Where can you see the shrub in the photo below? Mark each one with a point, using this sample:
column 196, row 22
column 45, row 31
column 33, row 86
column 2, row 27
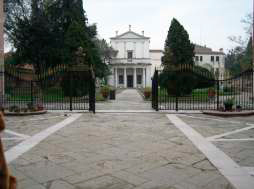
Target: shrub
column 183, row 82
column 177, row 83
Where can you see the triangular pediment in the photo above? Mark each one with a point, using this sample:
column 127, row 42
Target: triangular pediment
column 130, row 35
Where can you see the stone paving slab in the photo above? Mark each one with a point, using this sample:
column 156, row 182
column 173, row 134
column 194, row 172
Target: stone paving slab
column 210, row 125
column 240, row 152
column 237, row 145
column 117, row 151
column 28, row 125
column 244, row 134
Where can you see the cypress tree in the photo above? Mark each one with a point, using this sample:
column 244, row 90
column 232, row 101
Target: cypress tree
column 178, row 48
column 178, row 51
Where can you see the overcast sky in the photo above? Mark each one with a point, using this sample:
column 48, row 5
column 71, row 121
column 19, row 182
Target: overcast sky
column 208, row 22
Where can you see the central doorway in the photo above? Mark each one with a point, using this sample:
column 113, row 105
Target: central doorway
column 130, row 81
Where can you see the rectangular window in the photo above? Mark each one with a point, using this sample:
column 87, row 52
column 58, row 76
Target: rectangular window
column 196, row 58
column 129, row 54
column 201, row 58
column 139, row 79
column 212, row 58
column 120, row 79
column 217, row 58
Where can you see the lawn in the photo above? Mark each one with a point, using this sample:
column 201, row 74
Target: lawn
column 47, row 95
column 198, row 95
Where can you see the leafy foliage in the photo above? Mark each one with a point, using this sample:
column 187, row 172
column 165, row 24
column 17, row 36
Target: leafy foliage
column 178, row 48
column 74, row 85
column 239, row 59
column 47, row 33
column 179, row 53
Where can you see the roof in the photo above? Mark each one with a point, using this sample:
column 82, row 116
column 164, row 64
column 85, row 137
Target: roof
column 205, row 50
column 130, row 33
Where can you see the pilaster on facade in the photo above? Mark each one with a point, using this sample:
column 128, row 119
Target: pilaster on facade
column 116, row 78
column 125, row 78
column 135, row 77
column 144, row 78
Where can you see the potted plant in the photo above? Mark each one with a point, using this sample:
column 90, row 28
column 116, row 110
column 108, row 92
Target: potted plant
column 105, row 91
column 228, row 104
column 147, row 92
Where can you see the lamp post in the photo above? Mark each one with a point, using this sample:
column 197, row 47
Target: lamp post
column 1, row 48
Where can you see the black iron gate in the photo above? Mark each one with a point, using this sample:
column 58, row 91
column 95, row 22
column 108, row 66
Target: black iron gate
column 207, row 94
column 59, row 88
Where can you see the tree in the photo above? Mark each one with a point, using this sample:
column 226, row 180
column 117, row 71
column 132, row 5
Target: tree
column 178, row 52
column 178, row 48
column 247, row 57
column 47, row 33
column 239, row 59
column 30, row 35
column 233, row 61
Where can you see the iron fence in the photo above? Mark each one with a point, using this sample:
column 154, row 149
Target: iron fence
column 54, row 89
column 210, row 95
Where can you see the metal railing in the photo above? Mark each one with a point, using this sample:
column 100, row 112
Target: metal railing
column 207, row 94
column 51, row 90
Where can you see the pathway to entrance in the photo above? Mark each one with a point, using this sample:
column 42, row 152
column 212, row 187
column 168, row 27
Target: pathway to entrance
column 128, row 99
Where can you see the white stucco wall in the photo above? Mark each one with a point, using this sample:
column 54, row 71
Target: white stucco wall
column 156, row 56
column 215, row 64
column 139, row 47
column 148, row 77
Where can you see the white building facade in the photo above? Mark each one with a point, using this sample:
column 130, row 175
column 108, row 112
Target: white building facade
column 212, row 60
column 156, row 55
column 131, row 68
column 134, row 63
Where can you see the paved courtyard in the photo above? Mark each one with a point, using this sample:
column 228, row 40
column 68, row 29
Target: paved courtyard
column 129, row 150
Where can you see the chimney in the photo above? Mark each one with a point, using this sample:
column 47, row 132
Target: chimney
column 143, row 33
column 221, row 50
column 116, row 33
column 129, row 27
